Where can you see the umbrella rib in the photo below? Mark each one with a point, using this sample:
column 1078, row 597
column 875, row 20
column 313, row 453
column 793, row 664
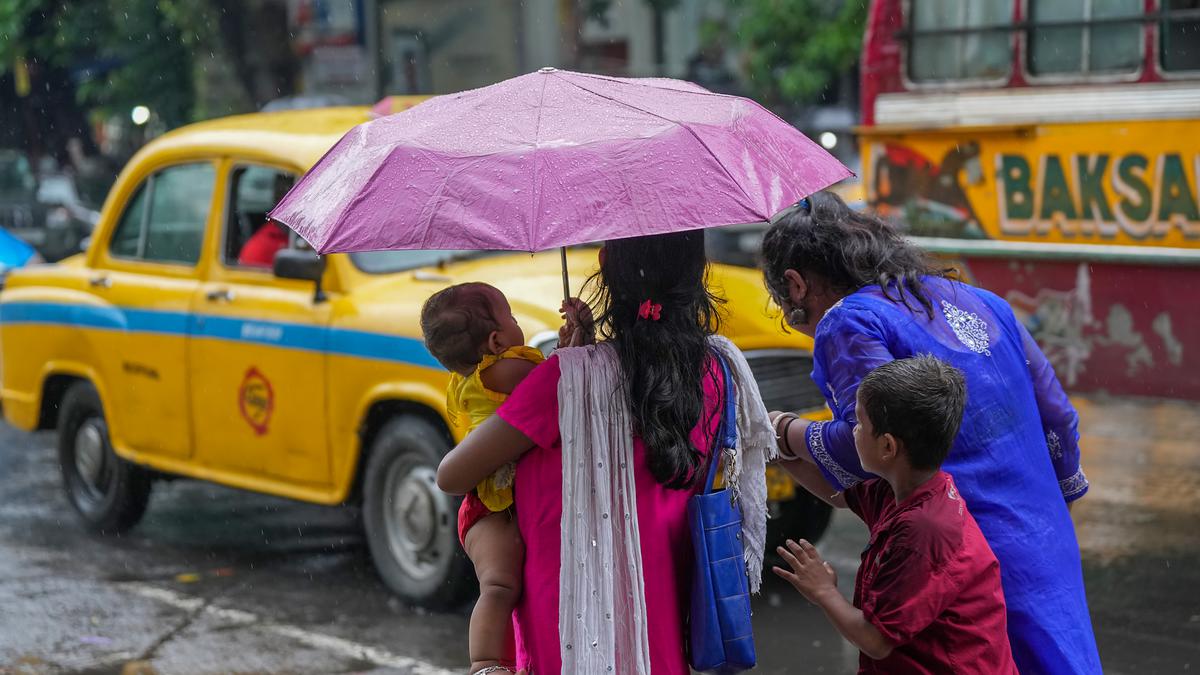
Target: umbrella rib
column 360, row 196
column 641, row 82
column 478, row 99
column 438, row 203
column 434, row 203
column 534, row 193
column 691, row 131
column 323, row 249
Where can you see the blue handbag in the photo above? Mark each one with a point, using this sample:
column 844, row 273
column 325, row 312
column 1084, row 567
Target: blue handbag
column 720, row 637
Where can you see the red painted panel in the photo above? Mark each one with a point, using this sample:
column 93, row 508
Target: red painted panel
column 1019, row 39
column 1128, row 329
column 881, row 65
column 1150, row 37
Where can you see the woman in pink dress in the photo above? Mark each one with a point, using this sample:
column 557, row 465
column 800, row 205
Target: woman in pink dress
column 657, row 314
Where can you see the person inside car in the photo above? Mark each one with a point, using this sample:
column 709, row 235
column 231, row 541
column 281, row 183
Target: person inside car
column 260, row 249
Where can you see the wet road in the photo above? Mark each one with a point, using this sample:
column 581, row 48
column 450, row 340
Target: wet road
column 216, row 580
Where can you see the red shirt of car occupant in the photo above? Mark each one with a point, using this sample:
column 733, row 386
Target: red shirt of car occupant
column 927, row 598
column 271, row 237
column 260, row 249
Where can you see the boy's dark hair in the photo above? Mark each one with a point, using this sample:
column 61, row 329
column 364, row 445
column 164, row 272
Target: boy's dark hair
column 456, row 322
column 918, row 400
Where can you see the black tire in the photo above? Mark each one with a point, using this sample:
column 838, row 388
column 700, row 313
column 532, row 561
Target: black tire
column 412, row 526
column 109, row 494
column 804, row 517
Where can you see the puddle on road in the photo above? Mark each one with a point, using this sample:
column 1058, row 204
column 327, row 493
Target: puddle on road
column 1142, row 458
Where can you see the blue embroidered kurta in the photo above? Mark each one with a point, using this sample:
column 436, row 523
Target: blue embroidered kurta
column 1016, row 458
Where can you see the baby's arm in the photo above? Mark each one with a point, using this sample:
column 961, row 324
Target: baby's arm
column 504, row 375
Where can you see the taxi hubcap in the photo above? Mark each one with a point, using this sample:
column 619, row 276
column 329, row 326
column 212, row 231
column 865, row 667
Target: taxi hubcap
column 90, row 456
column 417, row 516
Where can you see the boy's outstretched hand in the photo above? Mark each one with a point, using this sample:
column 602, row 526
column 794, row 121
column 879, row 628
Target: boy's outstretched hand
column 810, row 574
column 816, row 581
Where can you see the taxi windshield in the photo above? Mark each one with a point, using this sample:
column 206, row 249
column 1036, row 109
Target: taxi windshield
column 390, row 262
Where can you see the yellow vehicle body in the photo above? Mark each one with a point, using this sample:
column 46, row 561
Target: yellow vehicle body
column 236, row 376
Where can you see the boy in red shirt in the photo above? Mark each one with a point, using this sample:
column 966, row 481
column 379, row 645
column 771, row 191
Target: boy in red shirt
column 927, row 598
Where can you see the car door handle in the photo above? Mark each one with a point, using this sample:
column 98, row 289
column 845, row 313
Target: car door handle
column 100, row 281
column 220, row 295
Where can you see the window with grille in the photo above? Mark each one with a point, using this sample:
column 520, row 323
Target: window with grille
column 1088, row 37
column 960, row 40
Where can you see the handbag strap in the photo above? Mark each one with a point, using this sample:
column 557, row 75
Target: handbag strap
column 727, row 432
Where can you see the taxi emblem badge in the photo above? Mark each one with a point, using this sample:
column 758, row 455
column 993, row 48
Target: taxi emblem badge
column 256, row 400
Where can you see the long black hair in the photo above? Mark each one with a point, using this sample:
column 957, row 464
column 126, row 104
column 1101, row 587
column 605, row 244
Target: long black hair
column 848, row 249
column 664, row 361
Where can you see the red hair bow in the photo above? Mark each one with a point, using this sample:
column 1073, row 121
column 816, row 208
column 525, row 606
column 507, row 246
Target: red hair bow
column 650, row 310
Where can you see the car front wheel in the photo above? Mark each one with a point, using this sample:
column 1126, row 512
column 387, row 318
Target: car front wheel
column 411, row 525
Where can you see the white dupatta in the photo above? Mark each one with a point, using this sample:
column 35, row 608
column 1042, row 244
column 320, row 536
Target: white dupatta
column 602, row 624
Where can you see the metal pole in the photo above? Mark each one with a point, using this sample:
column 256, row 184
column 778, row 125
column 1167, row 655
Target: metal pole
column 566, row 281
column 373, row 46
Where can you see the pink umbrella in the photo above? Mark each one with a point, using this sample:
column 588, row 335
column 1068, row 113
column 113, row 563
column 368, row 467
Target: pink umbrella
column 550, row 159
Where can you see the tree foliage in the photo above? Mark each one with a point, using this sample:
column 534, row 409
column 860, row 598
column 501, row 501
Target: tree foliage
column 793, row 49
column 67, row 60
column 115, row 53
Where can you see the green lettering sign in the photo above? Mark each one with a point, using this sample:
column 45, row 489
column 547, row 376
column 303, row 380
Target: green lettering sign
column 1056, row 194
column 1018, row 197
column 1131, row 170
column 1174, row 193
column 1092, row 202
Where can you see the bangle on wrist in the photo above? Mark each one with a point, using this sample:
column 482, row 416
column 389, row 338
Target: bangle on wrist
column 785, row 448
column 775, row 424
column 787, row 453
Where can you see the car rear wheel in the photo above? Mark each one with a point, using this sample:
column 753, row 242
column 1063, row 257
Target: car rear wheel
column 411, row 525
column 803, row 517
column 109, row 493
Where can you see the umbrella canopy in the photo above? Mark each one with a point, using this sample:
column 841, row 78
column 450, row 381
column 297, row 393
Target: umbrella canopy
column 554, row 158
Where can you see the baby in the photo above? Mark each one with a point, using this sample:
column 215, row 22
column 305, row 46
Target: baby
column 469, row 328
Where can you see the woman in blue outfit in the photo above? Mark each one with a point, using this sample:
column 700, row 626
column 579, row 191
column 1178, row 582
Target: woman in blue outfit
column 867, row 297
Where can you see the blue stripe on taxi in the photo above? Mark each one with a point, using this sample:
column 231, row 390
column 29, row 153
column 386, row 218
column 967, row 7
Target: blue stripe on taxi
column 362, row 344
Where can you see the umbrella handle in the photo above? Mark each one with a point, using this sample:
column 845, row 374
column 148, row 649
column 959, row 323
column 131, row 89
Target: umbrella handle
column 566, row 281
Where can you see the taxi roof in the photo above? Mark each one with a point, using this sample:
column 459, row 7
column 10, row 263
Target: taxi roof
column 294, row 137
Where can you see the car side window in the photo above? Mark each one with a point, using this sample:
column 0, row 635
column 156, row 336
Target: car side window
column 126, row 240
column 164, row 222
column 251, row 241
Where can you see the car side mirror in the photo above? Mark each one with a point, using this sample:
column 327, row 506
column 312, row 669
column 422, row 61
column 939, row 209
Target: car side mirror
column 302, row 265
column 296, row 264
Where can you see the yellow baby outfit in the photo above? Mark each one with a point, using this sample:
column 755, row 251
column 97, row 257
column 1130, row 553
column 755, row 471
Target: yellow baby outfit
column 469, row 403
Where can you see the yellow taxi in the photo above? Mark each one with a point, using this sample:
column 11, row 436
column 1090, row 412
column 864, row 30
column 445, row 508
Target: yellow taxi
column 196, row 339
